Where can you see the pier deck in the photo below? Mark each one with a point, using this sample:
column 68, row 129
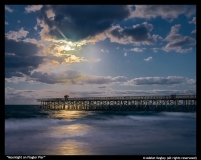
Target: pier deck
column 165, row 102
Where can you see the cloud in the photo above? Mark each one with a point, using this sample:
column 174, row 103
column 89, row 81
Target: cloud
column 150, row 92
column 70, row 58
column 20, row 48
column 192, row 21
column 155, row 49
column 137, row 35
column 16, row 35
column 32, row 40
column 148, row 59
column 193, row 32
column 23, row 78
column 56, row 58
column 6, row 23
column 50, row 55
column 175, row 86
column 156, row 80
column 32, row 8
column 137, row 49
column 168, row 12
column 177, row 41
column 102, row 87
column 191, row 81
column 103, row 80
column 125, row 54
column 70, row 77
column 156, row 37
column 171, row 92
column 102, row 50
column 67, row 77
column 8, row 9
column 67, row 20
column 87, row 93
column 20, row 58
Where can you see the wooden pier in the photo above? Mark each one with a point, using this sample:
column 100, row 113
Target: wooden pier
column 126, row 103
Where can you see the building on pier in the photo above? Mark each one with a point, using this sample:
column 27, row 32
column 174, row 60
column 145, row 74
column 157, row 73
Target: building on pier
column 66, row 97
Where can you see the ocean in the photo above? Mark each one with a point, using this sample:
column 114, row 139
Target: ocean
column 30, row 130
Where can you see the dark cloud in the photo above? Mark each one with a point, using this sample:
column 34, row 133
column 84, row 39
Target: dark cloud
column 177, row 41
column 168, row 12
column 156, row 80
column 52, row 78
column 102, row 87
column 78, row 22
column 15, row 62
column 20, row 48
column 182, row 40
column 104, row 80
column 75, row 77
column 137, row 33
column 21, row 58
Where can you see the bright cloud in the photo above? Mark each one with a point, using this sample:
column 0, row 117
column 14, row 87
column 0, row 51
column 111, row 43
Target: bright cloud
column 137, row 49
column 8, row 9
column 102, row 50
column 191, row 81
column 193, row 20
column 148, row 59
column 17, row 35
column 32, row 8
column 155, row 49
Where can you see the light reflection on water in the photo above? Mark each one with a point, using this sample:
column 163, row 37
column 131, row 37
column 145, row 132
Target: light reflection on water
column 70, row 130
column 67, row 145
column 66, row 134
column 68, row 115
column 71, row 147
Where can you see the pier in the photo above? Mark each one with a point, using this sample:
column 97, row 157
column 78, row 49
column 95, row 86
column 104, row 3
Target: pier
column 126, row 103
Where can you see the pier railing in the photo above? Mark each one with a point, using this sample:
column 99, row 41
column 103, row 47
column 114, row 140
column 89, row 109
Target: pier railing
column 164, row 102
column 178, row 97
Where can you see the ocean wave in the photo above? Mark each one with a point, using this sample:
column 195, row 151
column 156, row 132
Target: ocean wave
column 179, row 114
column 31, row 123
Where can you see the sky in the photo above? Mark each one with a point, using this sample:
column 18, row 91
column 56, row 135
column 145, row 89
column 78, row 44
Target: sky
column 98, row 51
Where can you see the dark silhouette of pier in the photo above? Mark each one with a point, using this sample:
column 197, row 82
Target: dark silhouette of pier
column 126, row 103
